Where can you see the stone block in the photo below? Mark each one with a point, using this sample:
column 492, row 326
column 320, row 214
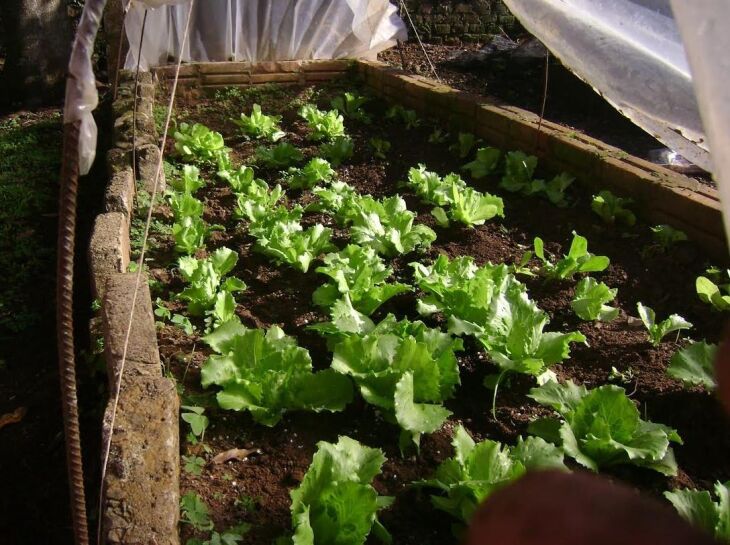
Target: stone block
column 148, row 158
column 142, row 492
column 143, row 358
column 118, row 159
column 108, row 249
column 119, row 196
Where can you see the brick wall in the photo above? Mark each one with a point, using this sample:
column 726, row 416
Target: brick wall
column 451, row 21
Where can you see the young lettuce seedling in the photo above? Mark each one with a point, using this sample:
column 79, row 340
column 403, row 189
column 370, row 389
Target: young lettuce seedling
column 408, row 117
column 463, row 146
column 667, row 236
column 315, row 171
column 478, row 469
column 602, row 428
column 338, row 151
column 716, row 295
column 259, row 125
column 266, row 373
column 577, row 260
column 323, row 125
column 280, row 156
column 657, row 331
column 612, row 209
column 380, row 148
column 590, row 300
column 336, row 503
column 351, row 106
column 198, row 143
column 485, row 162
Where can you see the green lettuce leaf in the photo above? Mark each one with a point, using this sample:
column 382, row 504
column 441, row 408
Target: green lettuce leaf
column 267, row 374
column 362, row 274
column 695, row 364
column 478, row 469
column 590, row 300
column 336, row 503
column 698, row 507
column 602, row 428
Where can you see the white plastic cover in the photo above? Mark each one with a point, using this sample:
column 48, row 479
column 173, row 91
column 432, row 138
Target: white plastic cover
column 81, row 94
column 264, row 30
column 705, row 28
column 631, row 53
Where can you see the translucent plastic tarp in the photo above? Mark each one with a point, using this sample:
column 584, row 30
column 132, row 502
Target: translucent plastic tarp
column 705, row 28
column 81, row 94
column 263, row 30
column 630, row 52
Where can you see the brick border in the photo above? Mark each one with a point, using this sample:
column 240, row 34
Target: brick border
column 213, row 75
column 142, row 483
column 663, row 196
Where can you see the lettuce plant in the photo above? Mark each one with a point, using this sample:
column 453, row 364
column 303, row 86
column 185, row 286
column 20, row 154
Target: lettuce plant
column 387, row 226
column 612, row 209
column 280, row 156
column 287, row 242
column 331, row 199
column 323, row 125
column 601, row 428
column 667, row 236
column 485, row 162
column 438, row 136
column 717, row 295
column 207, row 293
column 257, row 201
column 351, row 106
column 471, row 207
column 315, row 171
column 267, row 374
column 198, row 143
column 555, row 189
column 336, row 503
column 190, row 233
column 260, row 125
column 464, row 144
column 404, row 368
column 408, row 117
column 360, row 273
column 338, row 151
column 184, row 205
column 658, row 330
column 239, row 179
column 695, row 365
column 590, row 300
column 519, row 168
column 577, row 260
column 189, row 180
column 380, row 148
column 490, row 304
column 478, row 469
column 431, row 187
column 699, row 509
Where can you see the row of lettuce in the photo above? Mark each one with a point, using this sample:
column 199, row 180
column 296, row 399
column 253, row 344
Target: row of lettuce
column 407, row 369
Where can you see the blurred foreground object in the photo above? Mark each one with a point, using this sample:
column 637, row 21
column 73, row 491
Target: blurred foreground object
column 557, row 508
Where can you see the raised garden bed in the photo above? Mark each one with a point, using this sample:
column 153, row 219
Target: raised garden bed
column 253, row 488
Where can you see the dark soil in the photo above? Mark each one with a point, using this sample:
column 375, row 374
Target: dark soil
column 570, row 101
column 257, row 490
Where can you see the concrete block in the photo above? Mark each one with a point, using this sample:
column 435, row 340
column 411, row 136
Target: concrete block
column 142, row 492
column 108, row 249
column 119, row 196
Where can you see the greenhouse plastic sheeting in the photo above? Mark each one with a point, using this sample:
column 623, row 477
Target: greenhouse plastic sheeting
column 631, row 53
column 264, row 30
column 704, row 25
